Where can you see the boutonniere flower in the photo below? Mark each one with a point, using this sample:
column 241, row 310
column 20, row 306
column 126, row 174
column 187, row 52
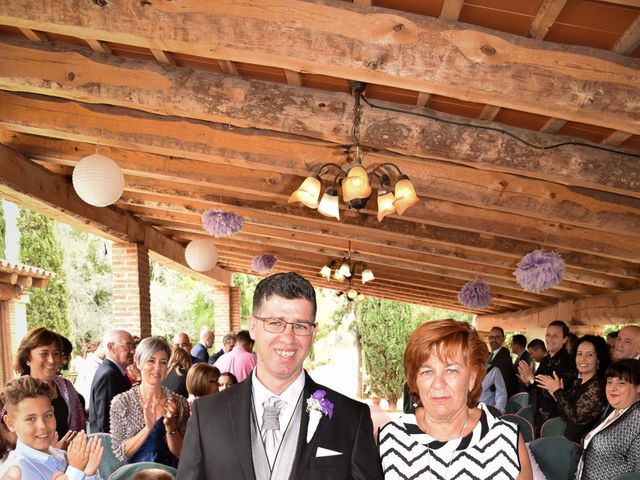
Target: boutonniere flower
column 317, row 406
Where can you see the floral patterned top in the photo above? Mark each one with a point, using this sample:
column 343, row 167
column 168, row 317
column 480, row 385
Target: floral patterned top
column 127, row 418
column 581, row 407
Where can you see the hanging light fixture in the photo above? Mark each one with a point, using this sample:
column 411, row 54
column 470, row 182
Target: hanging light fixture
column 201, row 254
column 98, row 180
column 346, row 269
column 355, row 180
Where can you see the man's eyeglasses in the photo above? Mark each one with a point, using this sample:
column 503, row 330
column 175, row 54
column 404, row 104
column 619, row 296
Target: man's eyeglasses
column 277, row 325
column 128, row 346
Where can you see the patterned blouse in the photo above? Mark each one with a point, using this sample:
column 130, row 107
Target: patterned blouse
column 581, row 407
column 490, row 450
column 127, row 417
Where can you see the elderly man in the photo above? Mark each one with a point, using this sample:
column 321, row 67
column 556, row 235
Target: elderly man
column 181, row 340
column 627, row 343
column 201, row 349
column 279, row 423
column 110, row 378
column 228, row 342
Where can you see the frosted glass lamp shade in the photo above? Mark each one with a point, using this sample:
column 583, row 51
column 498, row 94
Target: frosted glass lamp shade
column 201, row 255
column 338, row 275
column 344, row 269
column 329, row 204
column 352, row 294
column 367, row 275
column 360, row 297
column 326, row 272
column 308, row 193
column 385, row 205
column 405, row 194
column 98, row 180
column 356, row 184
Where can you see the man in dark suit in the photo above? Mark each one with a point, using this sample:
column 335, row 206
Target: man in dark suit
column 519, row 348
column 278, row 423
column 500, row 357
column 110, row 378
column 201, row 349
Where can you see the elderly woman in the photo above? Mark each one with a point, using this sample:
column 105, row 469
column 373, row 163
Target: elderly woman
column 582, row 405
column 202, row 380
column 39, row 355
column 449, row 436
column 613, row 447
column 148, row 422
column 557, row 361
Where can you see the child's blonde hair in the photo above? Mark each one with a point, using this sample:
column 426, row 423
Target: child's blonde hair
column 18, row 389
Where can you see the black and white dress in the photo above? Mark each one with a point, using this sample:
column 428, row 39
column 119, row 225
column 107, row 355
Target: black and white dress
column 490, row 450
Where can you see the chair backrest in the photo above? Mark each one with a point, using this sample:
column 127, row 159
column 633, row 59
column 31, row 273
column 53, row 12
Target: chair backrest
column 526, row 413
column 526, row 429
column 627, row 476
column 516, row 402
column 126, row 472
column 557, row 456
column 553, row 427
column 109, row 463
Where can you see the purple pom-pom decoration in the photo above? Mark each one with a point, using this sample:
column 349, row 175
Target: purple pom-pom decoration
column 475, row 294
column 263, row 264
column 539, row 271
column 220, row 223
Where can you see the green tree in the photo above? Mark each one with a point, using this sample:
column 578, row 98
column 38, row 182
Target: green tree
column 247, row 284
column 40, row 248
column 383, row 328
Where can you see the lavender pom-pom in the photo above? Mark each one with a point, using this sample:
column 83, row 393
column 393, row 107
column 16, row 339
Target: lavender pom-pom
column 263, row 264
column 475, row 294
column 220, row 223
column 539, row 271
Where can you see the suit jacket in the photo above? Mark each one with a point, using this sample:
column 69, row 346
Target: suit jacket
column 200, row 352
column 213, row 358
column 107, row 383
column 217, row 444
column 502, row 360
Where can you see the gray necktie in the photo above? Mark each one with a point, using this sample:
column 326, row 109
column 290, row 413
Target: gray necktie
column 270, row 431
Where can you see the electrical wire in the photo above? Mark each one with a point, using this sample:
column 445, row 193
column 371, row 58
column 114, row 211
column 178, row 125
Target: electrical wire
column 500, row 130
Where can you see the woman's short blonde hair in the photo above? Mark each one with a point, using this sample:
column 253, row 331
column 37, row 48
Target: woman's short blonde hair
column 148, row 347
column 447, row 339
column 199, row 377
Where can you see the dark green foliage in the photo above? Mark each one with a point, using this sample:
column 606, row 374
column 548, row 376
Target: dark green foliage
column 383, row 327
column 247, row 284
column 3, row 231
column 40, row 248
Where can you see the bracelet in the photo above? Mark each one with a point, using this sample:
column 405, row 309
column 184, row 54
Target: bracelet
column 172, row 432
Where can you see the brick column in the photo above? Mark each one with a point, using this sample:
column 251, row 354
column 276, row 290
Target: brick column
column 226, row 312
column 131, row 297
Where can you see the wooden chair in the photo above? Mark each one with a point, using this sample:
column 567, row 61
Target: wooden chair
column 557, row 456
column 126, row 472
column 109, row 463
column 516, row 402
column 554, row 427
column 526, row 428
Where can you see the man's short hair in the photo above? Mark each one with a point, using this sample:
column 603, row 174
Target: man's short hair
column 562, row 325
column 153, row 474
column 112, row 336
column 537, row 343
column 243, row 337
column 613, row 334
column 519, row 339
column 499, row 329
column 289, row 285
column 228, row 337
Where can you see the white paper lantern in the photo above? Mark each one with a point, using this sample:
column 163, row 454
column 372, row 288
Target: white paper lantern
column 98, row 180
column 201, row 255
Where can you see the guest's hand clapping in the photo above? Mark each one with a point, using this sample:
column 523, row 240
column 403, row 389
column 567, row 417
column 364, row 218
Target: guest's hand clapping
column 78, row 451
column 170, row 409
column 66, row 440
column 550, row 383
column 525, row 374
column 149, row 412
column 96, row 449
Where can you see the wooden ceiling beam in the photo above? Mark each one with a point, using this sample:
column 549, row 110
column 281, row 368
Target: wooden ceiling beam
column 301, row 114
column 545, row 17
column 32, row 186
column 369, row 44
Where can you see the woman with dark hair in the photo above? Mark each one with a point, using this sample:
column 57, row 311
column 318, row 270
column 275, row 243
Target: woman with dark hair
column 450, row 435
column 226, row 380
column 582, row 405
column 39, row 355
column 613, row 447
column 148, row 421
column 558, row 361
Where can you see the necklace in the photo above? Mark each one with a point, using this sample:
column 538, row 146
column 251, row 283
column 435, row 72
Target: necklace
column 464, row 425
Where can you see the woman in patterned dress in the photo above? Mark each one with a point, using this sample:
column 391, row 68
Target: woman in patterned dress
column 450, row 435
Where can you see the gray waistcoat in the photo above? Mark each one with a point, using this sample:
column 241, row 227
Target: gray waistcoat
column 286, row 453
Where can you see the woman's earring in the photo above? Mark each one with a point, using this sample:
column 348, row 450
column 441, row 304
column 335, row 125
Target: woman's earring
column 28, row 363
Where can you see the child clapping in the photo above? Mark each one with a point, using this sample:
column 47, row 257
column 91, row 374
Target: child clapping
column 30, row 415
